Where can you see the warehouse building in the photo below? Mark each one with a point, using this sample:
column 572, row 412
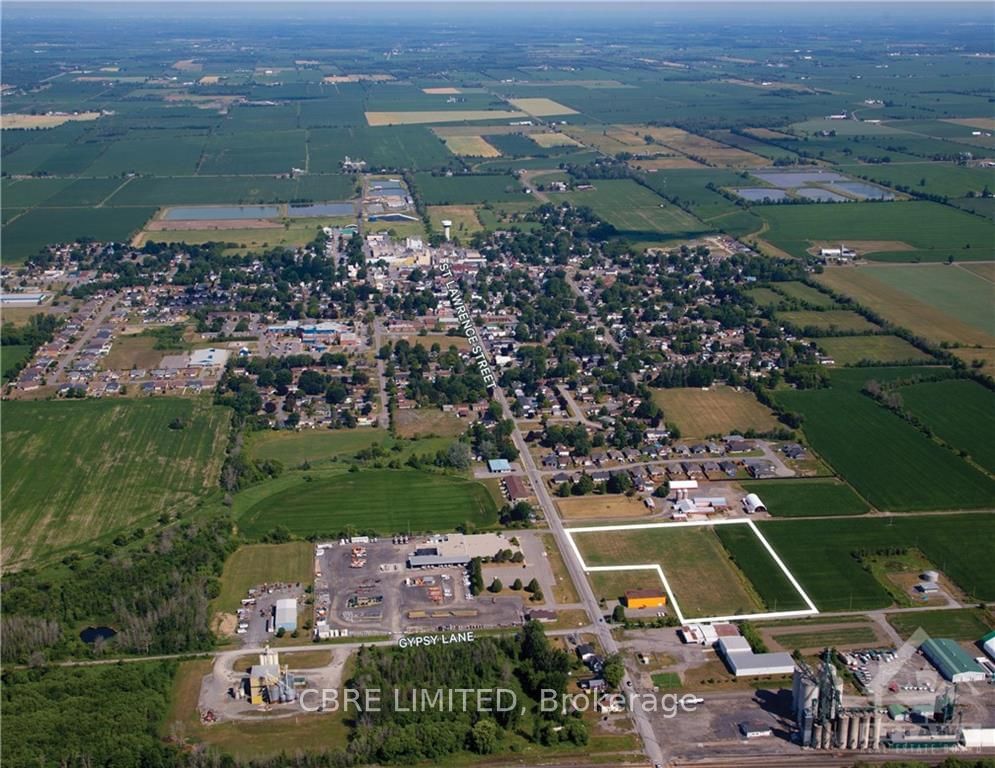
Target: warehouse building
column 743, row 662
column 952, row 661
column 286, row 614
column 645, row 598
column 988, row 643
column 458, row 549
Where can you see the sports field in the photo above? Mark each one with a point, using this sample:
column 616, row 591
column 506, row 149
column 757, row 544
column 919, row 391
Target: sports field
column 820, row 554
column 715, row 411
column 957, row 410
column 848, row 350
column 828, row 320
column 379, row 501
column 807, row 498
column 920, row 315
column 933, row 231
column 254, row 564
column 705, row 582
column 892, row 464
column 119, row 465
column 636, row 212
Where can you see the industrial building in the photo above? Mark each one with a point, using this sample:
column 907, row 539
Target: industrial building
column 952, row 661
column 457, row 549
column 285, row 614
column 268, row 682
column 743, row 662
column 645, row 598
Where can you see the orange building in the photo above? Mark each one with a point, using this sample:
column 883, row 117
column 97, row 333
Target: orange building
column 645, row 598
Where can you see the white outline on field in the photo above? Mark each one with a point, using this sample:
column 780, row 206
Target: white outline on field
column 811, row 610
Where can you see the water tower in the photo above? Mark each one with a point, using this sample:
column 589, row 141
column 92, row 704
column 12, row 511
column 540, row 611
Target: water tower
column 446, row 227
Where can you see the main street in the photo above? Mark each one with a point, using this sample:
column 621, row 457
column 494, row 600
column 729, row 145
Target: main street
column 588, row 599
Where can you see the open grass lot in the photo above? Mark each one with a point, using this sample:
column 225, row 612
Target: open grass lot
column 715, row 411
column 828, row 320
column 11, row 355
column 892, row 464
column 380, row 500
column 423, row 422
column 133, row 350
column 959, row 411
column 794, row 289
column 467, row 189
column 961, row 624
column 463, row 217
column 636, row 212
column 919, row 315
column 933, row 231
column 848, row 350
column 604, row 507
column 820, row 554
column 807, row 498
column 764, row 297
column 704, row 580
column 313, row 445
column 119, row 465
column 565, row 591
column 959, row 293
column 254, row 564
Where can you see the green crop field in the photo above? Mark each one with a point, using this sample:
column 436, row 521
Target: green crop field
column 254, row 564
column 807, row 498
column 820, row 554
column 828, row 638
column 956, row 292
column 931, row 232
column 212, row 190
column 945, row 179
column 883, row 348
column 119, row 465
column 752, row 558
column 957, row 410
column 828, row 320
column 961, row 624
column 377, row 500
column 891, row 464
column 466, row 189
column 636, row 212
column 38, row 227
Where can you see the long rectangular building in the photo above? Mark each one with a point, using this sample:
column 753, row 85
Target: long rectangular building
column 952, row 661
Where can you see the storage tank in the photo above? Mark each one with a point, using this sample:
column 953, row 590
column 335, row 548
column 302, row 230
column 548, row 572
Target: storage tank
column 865, row 731
column 842, row 728
column 817, row 732
column 852, row 738
column 826, row 742
column 878, row 719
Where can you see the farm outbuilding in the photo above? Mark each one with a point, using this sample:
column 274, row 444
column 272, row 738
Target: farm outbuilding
column 753, row 504
column 286, row 614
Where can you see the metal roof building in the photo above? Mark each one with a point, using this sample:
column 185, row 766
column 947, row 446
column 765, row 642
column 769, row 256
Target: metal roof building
column 988, row 643
column 286, row 614
column 743, row 662
column 952, row 661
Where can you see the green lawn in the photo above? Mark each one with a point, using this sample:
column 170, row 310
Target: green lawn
column 667, row 680
column 820, row 553
column 933, row 231
column 962, row 624
column 807, row 498
column 255, row 564
column 313, row 445
column 75, row 471
column 380, row 501
column 960, row 412
column 890, row 463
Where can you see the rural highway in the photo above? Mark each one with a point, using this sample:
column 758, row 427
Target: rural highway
column 588, row 599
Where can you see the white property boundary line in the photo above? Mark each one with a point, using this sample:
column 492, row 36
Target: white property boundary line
column 811, row 610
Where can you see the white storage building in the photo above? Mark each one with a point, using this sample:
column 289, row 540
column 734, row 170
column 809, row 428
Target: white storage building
column 743, row 662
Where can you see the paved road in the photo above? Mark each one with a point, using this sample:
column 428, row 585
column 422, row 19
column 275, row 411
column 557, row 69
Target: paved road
column 383, row 416
column 575, row 409
column 91, row 327
column 590, row 602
